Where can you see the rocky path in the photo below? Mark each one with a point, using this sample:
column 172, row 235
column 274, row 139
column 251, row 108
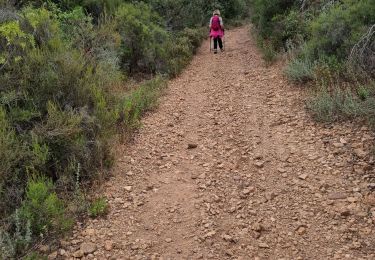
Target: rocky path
column 231, row 166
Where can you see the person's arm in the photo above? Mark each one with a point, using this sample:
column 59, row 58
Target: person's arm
column 210, row 22
column 221, row 23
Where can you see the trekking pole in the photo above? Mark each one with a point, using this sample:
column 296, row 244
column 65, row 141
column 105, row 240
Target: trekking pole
column 210, row 43
column 224, row 47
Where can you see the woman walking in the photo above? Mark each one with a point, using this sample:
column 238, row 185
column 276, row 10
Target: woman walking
column 217, row 30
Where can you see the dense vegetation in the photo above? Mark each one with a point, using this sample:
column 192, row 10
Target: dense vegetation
column 330, row 45
column 65, row 97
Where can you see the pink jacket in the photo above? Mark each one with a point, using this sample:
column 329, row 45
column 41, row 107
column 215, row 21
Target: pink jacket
column 219, row 33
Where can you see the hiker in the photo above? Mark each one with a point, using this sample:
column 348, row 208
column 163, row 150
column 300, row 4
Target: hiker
column 217, row 30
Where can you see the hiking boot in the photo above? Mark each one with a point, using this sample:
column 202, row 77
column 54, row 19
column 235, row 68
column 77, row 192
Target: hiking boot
column 215, row 51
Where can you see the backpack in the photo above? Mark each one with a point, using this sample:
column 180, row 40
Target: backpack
column 215, row 24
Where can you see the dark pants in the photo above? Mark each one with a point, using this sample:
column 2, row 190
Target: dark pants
column 216, row 40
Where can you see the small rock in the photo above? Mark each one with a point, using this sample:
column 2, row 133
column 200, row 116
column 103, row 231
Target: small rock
column 263, row 245
column 270, row 196
column 229, row 238
column 78, row 254
column 169, row 240
column 303, row 176
column 202, row 176
column 259, row 164
column 258, row 227
column 343, row 141
column 360, row 153
column 301, row 230
column 338, row 145
column 108, row 245
column 345, row 213
column 352, row 199
column 88, row 248
column 89, row 232
column 248, row 190
column 192, row 146
column 209, row 234
column 52, row 256
column 44, row 248
column 128, row 188
column 62, row 252
column 337, row 196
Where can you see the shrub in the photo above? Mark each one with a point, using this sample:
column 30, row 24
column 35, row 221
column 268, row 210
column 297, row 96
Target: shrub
column 43, row 209
column 15, row 240
column 139, row 101
column 268, row 51
column 264, row 12
column 12, row 154
column 98, row 207
column 142, row 38
column 300, row 71
column 335, row 31
column 180, row 52
column 41, row 213
column 194, row 37
column 363, row 93
column 341, row 104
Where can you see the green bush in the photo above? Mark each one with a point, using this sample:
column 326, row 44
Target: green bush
column 43, row 209
column 143, row 38
column 41, row 213
column 342, row 104
column 98, row 207
column 180, row 14
column 15, row 238
column 265, row 11
column 13, row 155
column 194, row 37
column 268, row 51
column 139, row 101
column 334, row 32
column 300, row 71
column 363, row 93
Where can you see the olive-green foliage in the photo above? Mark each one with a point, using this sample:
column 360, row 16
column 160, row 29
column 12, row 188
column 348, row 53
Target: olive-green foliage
column 142, row 38
column 339, row 104
column 35, row 256
column 194, row 37
column 320, row 36
column 139, row 101
column 147, row 47
column 335, row 31
column 43, row 209
column 265, row 11
column 57, row 112
column 180, row 14
column 16, row 238
column 300, row 71
column 98, row 207
column 41, row 213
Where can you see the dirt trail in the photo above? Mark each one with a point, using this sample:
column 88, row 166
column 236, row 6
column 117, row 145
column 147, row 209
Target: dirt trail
column 265, row 181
